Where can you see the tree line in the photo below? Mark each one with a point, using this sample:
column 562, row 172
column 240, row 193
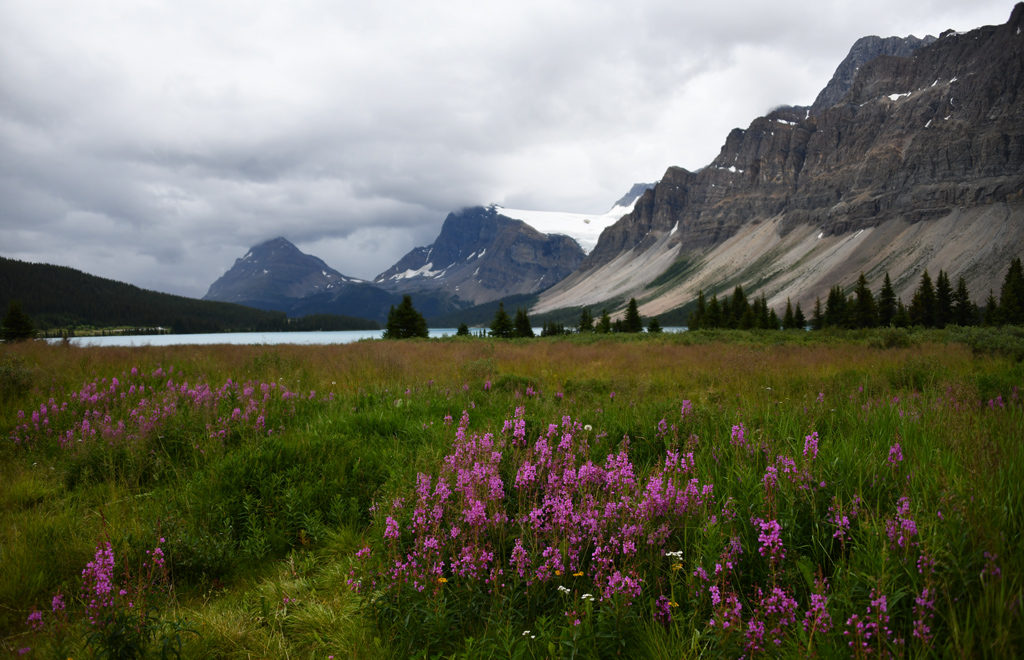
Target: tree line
column 50, row 297
column 933, row 305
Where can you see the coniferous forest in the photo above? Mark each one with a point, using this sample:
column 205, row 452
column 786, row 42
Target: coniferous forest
column 61, row 297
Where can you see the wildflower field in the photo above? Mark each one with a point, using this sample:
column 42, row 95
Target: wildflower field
column 717, row 494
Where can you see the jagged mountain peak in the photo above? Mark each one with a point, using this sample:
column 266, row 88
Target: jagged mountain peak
column 274, row 270
column 863, row 51
column 481, row 255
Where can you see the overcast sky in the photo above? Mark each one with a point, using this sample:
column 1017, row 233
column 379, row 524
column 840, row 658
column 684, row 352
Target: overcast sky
column 154, row 141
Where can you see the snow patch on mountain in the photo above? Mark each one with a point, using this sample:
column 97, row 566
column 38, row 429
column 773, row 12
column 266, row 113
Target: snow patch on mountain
column 584, row 228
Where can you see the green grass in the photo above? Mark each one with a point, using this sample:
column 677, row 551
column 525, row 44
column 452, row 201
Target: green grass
column 262, row 523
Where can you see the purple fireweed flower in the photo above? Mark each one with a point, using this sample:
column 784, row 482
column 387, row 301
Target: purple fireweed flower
column 924, row 612
column 895, row 455
column 391, row 528
column 770, row 479
column 663, row 610
column 738, row 438
column 35, row 620
column 520, row 560
column 811, row 445
column 901, row 529
column 768, row 537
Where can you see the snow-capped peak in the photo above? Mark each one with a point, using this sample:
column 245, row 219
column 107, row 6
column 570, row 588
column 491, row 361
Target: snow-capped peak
column 584, row 228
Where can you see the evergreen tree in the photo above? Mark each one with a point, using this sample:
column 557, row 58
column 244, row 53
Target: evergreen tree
column 552, row 329
column 922, row 305
column 713, row 318
column 522, row 324
column 866, row 312
column 964, row 312
column 653, row 327
column 501, row 325
column 738, row 308
column 817, row 318
column 1011, row 296
column 943, row 300
column 699, row 314
column 586, row 323
column 788, row 320
column 798, row 318
column 886, row 302
column 901, row 319
column 992, row 314
column 404, row 321
column 836, row 315
column 773, row 320
column 463, row 330
column 749, row 319
column 17, row 326
column 604, row 326
column 632, row 322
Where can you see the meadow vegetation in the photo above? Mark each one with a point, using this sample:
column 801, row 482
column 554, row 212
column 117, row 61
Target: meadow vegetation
column 714, row 493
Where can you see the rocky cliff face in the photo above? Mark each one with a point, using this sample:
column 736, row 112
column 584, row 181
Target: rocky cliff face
column 894, row 142
column 863, row 51
column 273, row 272
column 481, row 256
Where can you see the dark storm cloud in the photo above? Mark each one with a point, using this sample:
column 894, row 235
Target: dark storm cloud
column 155, row 142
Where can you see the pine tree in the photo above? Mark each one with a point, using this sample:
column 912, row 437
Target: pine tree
column 886, row 303
column 522, row 324
column 922, row 305
column 788, row 321
column 964, row 312
column 17, row 326
column 463, row 330
column 799, row 321
column 404, row 321
column 1011, row 296
column 943, row 300
column 901, row 319
column 586, row 323
column 698, row 316
column 604, row 326
column 632, row 322
column 653, row 327
column 866, row 314
column 817, row 319
column 836, row 315
column 992, row 315
column 501, row 325
column 713, row 318
column 738, row 308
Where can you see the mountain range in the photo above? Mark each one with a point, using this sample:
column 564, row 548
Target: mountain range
column 910, row 158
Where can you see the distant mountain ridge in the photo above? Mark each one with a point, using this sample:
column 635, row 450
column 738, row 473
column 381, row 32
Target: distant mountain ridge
column 905, row 163
column 481, row 255
column 275, row 270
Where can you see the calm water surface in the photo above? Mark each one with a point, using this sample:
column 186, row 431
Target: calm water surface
column 257, row 338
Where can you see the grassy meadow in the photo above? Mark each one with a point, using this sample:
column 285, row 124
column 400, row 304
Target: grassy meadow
column 716, row 494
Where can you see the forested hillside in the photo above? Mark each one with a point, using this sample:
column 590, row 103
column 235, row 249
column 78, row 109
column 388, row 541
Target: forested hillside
column 61, row 297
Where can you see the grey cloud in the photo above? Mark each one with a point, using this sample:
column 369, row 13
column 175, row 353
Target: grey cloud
column 156, row 142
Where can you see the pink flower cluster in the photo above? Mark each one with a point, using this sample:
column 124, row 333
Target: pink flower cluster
column 138, row 405
column 563, row 513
